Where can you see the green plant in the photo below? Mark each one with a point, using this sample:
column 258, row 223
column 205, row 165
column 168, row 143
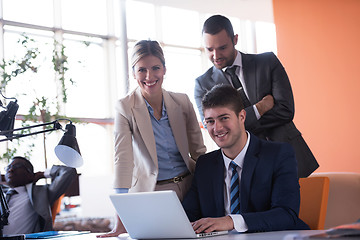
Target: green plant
column 11, row 69
column 42, row 109
column 60, row 64
column 19, row 66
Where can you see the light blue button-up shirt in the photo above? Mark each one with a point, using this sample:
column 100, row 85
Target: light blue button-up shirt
column 170, row 161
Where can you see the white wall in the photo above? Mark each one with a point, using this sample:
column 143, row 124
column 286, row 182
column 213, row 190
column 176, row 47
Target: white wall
column 94, row 192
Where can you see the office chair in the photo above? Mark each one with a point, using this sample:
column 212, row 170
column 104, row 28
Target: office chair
column 344, row 198
column 56, row 207
column 314, row 192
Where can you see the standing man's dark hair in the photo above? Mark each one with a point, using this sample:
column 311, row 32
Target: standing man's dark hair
column 223, row 96
column 216, row 23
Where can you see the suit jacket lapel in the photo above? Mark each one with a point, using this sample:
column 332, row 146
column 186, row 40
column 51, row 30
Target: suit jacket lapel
column 249, row 72
column 218, row 184
column 142, row 118
column 250, row 162
column 218, row 77
column 29, row 192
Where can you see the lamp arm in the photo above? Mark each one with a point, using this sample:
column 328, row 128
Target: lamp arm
column 16, row 136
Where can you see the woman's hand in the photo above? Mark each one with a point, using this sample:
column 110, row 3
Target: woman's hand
column 117, row 230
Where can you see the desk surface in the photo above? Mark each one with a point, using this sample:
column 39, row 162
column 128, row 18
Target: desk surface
column 278, row 235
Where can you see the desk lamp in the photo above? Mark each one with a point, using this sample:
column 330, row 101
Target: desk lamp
column 67, row 150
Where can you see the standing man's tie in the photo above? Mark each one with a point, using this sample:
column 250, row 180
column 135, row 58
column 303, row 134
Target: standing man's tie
column 9, row 193
column 237, row 84
column 234, row 190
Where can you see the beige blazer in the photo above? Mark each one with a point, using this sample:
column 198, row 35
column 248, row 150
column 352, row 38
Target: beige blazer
column 136, row 163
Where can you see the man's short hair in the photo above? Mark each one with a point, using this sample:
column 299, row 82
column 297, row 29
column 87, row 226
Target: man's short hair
column 27, row 162
column 216, row 24
column 223, row 96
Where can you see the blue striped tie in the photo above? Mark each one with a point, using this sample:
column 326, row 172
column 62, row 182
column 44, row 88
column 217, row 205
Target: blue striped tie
column 234, row 190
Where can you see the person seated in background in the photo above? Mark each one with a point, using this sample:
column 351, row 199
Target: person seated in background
column 30, row 204
column 248, row 184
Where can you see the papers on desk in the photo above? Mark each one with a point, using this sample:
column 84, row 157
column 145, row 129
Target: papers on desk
column 53, row 234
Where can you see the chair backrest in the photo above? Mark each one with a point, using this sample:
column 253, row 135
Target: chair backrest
column 56, row 207
column 344, row 198
column 314, row 192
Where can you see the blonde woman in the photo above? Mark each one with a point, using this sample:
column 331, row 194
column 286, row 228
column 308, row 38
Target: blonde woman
column 157, row 135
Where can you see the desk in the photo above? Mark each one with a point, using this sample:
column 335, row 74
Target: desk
column 278, row 235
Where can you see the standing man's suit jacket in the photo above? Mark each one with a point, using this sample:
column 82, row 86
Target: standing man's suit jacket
column 263, row 75
column 269, row 188
column 136, row 163
column 42, row 197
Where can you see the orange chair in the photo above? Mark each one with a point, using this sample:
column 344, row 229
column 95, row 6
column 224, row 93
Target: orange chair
column 344, row 198
column 56, row 207
column 314, row 192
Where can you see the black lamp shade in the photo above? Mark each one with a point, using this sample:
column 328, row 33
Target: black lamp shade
column 7, row 119
column 68, row 149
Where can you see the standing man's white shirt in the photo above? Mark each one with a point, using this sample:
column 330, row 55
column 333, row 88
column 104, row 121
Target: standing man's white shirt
column 239, row 72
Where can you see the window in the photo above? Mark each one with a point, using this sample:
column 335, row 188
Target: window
column 137, row 27
column 95, row 46
column 37, row 12
column 186, row 32
column 265, row 37
column 87, row 69
column 84, row 16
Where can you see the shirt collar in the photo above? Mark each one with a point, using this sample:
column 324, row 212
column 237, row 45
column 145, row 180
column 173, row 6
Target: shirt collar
column 239, row 159
column 20, row 189
column 237, row 62
column 151, row 110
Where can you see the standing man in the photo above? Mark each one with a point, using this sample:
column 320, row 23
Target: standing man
column 263, row 85
column 248, row 184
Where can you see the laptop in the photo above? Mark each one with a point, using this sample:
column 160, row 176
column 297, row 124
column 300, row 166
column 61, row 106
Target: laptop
column 155, row 215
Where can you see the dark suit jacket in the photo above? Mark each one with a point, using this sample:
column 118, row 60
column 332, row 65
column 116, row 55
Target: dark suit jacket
column 263, row 75
column 269, row 188
column 43, row 197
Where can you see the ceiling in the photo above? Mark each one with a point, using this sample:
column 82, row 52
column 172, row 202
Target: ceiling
column 255, row 10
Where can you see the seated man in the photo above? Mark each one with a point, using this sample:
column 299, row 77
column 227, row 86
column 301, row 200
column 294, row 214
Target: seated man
column 260, row 194
column 30, row 205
